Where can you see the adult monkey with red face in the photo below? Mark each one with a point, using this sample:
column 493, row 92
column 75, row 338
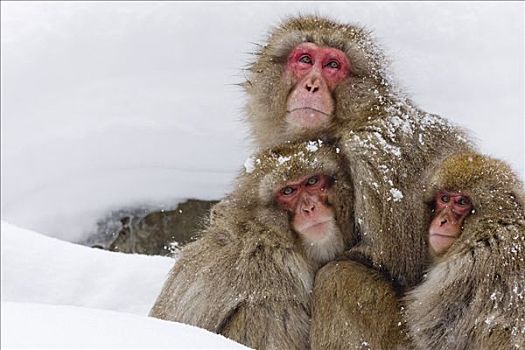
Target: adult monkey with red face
column 473, row 296
column 315, row 78
column 250, row 276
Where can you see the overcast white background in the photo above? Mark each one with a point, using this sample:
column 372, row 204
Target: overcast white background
column 113, row 104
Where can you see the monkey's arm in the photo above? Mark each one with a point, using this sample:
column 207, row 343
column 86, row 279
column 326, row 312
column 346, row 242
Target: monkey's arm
column 354, row 307
column 252, row 289
column 275, row 281
column 471, row 299
column 199, row 289
column 270, row 324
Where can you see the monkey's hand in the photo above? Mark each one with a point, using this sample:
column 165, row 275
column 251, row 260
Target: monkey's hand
column 354, row 307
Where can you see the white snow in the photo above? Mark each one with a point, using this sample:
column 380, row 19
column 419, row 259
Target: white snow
column 249, row 165
column 397, row 195
column 40, row 269
column 397, row 123
column 281, row 160
column 313, row 146
column 57, row 294
column 388, row 147
column 27, row 325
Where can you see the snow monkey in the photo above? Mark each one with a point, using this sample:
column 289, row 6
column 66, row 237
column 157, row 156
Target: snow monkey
column 250, row 276
column 315, row 78
column 473, row 296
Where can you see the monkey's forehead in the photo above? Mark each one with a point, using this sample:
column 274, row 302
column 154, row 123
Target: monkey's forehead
column 464, row 172
column 293, row 160
column 482, row 178
column 278, row 168
column 318, row 30
column 319, row 25
column 355, row 41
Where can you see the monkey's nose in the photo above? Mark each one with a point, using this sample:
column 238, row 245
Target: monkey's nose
column 308, row 208
column 443, row 222
column 312, row 86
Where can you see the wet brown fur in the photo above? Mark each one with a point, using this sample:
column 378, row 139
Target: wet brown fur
column 250, row 277
column 473, row 296
column 388, row 144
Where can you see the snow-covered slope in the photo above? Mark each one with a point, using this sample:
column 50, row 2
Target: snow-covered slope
column 40, row 269
column 28, row 325
column 57, row 294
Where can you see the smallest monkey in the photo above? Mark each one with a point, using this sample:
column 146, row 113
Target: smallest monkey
column 473, row 296
column 250, row 276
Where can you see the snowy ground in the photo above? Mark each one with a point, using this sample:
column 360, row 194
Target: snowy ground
column 68, row 327
column 57, row 294
column 108, row 105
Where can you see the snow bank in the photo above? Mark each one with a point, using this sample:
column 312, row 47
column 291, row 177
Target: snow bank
column 53, row 293
column 40, row 269
column 59, row 326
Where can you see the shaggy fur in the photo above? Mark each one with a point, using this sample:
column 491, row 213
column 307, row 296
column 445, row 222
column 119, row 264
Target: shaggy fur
column 250, row 276
column 473, row 295
column 388, row 143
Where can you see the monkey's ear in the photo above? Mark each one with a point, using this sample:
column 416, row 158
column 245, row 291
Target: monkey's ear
column 278, row 52
column 267, row 189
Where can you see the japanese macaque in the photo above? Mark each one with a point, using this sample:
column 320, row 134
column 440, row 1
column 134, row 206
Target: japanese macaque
column 473, row 296
column 450, row 209
column 250, row 276
column 315, row 78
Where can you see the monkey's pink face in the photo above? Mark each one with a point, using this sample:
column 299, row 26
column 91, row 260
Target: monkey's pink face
column 451, row 209
column 316, row 72
column 307, row 200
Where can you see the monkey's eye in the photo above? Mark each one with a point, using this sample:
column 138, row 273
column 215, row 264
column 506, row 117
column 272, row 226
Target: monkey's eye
column 287, row 190
column 312, row 181
column 333, row 65
column 305, row 59
column 445, row 198
column 464, row 201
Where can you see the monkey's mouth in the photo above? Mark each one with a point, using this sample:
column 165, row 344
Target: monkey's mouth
column 440, row 243
column 307, row 118
column 440, row 236
column 313, row 111
column 318, row 230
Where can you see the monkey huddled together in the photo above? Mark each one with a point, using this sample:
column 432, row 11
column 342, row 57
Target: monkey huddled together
column 250, row 276
column 473, row 296
column 353, row 193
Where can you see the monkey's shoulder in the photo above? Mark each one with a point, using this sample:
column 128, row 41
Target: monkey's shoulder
column 498, row 243
column 481, row 277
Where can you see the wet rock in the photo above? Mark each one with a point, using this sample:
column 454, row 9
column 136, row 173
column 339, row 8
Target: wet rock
column 160, row 232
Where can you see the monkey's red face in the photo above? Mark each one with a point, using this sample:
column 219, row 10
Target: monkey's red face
column 307, row 200
column 316, row 72
column 451, row 209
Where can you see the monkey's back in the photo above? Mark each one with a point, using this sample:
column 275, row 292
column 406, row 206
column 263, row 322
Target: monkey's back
column 388, row 157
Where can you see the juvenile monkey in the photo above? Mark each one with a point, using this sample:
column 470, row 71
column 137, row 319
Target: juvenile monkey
column 316, row 78
column 473, row 294
column 251, row 275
